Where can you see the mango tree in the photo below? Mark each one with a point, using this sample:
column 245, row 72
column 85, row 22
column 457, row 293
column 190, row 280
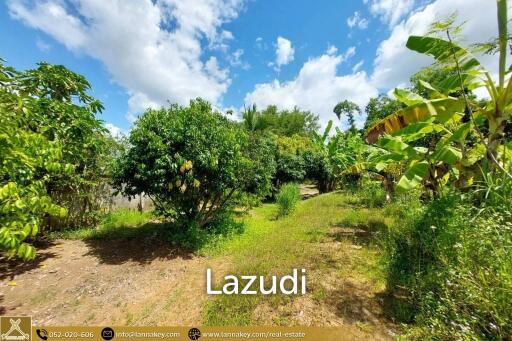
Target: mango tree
column 194, row 163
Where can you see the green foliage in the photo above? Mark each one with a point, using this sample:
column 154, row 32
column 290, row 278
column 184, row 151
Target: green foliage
column 470, row 74
column 145, row 227
column 65, row 112
column 291, row 165
column 117, row 224
column 250, row 118
column 456, row 270
column 441, row 138
column 62, row 111
column 261, row 148
column 193, row 163
column 339, row 158
column 284, row 122
column 287, row 199
column 372, row 194
column 27, row 161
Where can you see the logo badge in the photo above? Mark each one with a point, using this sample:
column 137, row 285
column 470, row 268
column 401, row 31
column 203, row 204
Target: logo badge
column 15, row 328
column 194, row 334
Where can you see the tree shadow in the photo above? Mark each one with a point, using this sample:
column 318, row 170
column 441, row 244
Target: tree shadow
column 397, row 306
column 141, row 244
column 356, row 235
column 361, row 233
column 9, row 268
column 153, row 240
column 355, row 304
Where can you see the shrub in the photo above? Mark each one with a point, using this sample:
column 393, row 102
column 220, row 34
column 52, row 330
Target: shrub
column 287, row 199
column 290, row 160
column 456, row 267
column 193, row 163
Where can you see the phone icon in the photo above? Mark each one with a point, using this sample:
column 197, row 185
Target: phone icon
column 42, row 333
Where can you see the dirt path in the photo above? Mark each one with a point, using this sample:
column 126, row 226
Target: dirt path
column 120, row 283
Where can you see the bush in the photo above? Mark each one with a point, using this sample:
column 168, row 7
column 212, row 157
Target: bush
column 195, row 164
column 456, row 267
column 287, row 199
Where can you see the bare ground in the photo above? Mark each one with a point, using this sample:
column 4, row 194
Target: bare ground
column 82, row 283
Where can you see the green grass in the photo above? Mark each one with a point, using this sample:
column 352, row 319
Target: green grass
column 121, row 223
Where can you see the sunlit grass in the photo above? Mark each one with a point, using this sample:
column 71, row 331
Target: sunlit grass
column 120, row 223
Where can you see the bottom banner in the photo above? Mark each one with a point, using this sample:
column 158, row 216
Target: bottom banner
column 190, row 333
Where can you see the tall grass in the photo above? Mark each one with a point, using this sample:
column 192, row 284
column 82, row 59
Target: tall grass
column 287, row 199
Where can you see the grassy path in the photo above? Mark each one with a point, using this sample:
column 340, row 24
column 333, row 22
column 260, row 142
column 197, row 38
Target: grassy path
column 142, row 280
column 333, row 241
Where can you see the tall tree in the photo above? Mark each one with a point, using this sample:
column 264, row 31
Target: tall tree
column 348, row 108
column 281, row 122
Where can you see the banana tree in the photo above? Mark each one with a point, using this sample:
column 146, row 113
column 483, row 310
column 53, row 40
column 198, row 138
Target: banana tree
column 470, row 75
column 342, row 151
column 451, row 117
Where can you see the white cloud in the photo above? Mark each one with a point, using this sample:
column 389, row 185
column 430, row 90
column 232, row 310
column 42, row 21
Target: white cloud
column 390, row 11
column 235, row 59
column 221, row 41
column 261, row 44
column 394, row 63
column 358, row 66
column 357, row 20
column 317, row 88
column 151, row 48
column 114, row 130
column 351, row 51
column 284, row 52
column 230, row 112
column 331, row 49
column 213, row 69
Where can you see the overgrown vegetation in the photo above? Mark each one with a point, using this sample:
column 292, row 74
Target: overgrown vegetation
column 450, row 252
column 427, row 183
column 456, row 270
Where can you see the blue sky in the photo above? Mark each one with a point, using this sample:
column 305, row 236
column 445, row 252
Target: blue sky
column 312, row 54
